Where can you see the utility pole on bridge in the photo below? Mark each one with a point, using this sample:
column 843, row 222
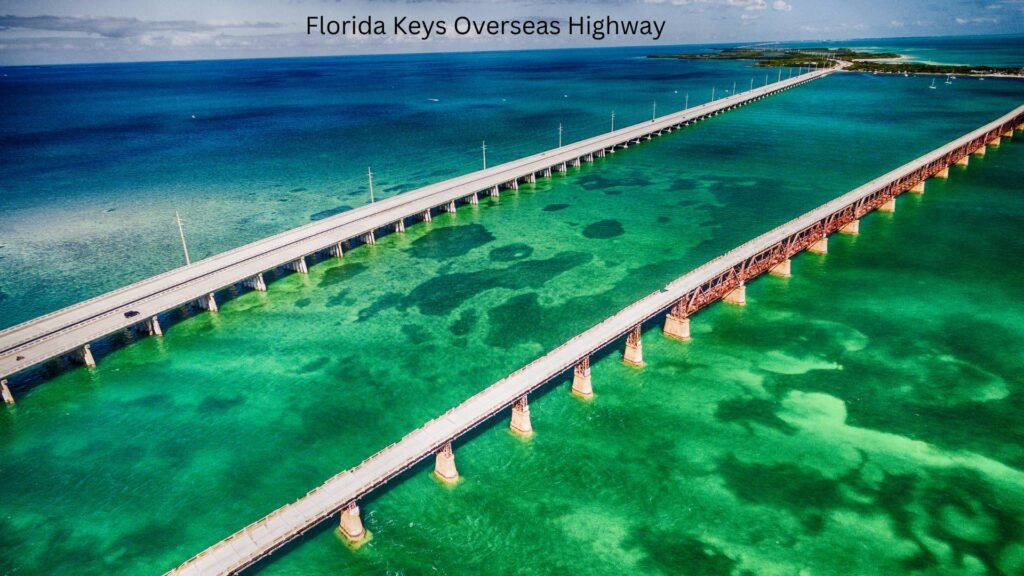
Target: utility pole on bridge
column 559, row 134
column 613, row 120
column 483, row 148
column 181, row 232
column 369, row 174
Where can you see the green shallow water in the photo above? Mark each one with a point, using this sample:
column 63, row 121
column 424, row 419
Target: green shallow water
column 861, row 417
column 781, row 437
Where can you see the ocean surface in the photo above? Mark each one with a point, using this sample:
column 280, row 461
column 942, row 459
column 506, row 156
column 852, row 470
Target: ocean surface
column 858, row 418
column 999, row 51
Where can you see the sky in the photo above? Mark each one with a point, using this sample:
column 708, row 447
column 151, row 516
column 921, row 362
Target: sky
column 79, row 31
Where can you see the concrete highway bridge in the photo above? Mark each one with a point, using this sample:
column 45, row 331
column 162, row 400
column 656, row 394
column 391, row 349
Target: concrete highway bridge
column 69, row 332
column 723, row 278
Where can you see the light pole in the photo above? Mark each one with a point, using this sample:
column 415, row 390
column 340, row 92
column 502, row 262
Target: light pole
column 483, row 148
column 181, row 232
column 654, row 110
column 712, row 93
column 613, row 120
column 687, row 105
column 369, row 174
column 559, row 134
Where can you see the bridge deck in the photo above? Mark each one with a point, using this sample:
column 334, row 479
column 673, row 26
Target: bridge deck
column 263, row 537
column 63, row 331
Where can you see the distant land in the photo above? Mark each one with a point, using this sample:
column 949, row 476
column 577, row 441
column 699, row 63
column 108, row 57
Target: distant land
column 875, row 62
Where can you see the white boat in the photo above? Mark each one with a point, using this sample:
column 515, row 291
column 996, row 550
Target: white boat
column 933, row 84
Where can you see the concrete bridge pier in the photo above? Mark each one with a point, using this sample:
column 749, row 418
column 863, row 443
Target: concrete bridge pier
column 370, row 238
column 600, row 153
column 474, row 199
column 351, row 524
column 963, row 161
column 260, row 285
column 521, row 418
column 563, row 168
column 449, row 207
column 576, row 163
column 427, row 217
column 85, row 356
column 495, row 193
column 819, row 247
column 581, row 384
column 531, row 178
column 677, row 325
column 208, row 303
column 782, row 269
column 634, row 353
column 153, row 327
column 1008, row 133
column 944, row 173
column 444, row 465
column 979, row 151
column 888, row 206
column 547, row 172
column 995, row 141
column 337, row 250
column 737, row 296
column 6, row 393
column 514, row 185
column 300, row 266
column 917, row 188
column 400, row 226
column 589, row 157
column 851, row 228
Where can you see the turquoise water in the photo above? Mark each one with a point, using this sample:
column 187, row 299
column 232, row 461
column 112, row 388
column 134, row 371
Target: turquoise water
column 999, row 51
column 810, row 429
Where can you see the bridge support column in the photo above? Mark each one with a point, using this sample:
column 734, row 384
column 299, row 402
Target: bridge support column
column 851, row 228
column 370, row 237
column 782, row 269
column 450, row 207
column 153, row 326
column 819, row 247
column 589, row 157
column 917, row 188
column 944, row 173
column 400, row 226
column 576, row 163
column 521, row 418
column 338, row 251
column 85, row 355
column 532, row 178
column 300, row 266
column 495, row 193
column 563, row 168
column 208, row 303
column 427, row 216
column 964, row 161
column 888, row 206
column 600, row 153
column 738, row 296
column 677, row 326
column 634, row 353
column 995, row 141
column 6, row 393
column 979, row 151
column 351, row 524
column 444, row 465
column 581, row 384
column 474, row 199
column 1008, row 133
column 547, row 172
column 514, row 184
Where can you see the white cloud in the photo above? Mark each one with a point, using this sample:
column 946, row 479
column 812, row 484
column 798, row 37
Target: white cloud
column 782, row 6
column 977, row 20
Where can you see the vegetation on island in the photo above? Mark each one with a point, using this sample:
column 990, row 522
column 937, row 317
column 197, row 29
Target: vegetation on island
column 774, row 56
